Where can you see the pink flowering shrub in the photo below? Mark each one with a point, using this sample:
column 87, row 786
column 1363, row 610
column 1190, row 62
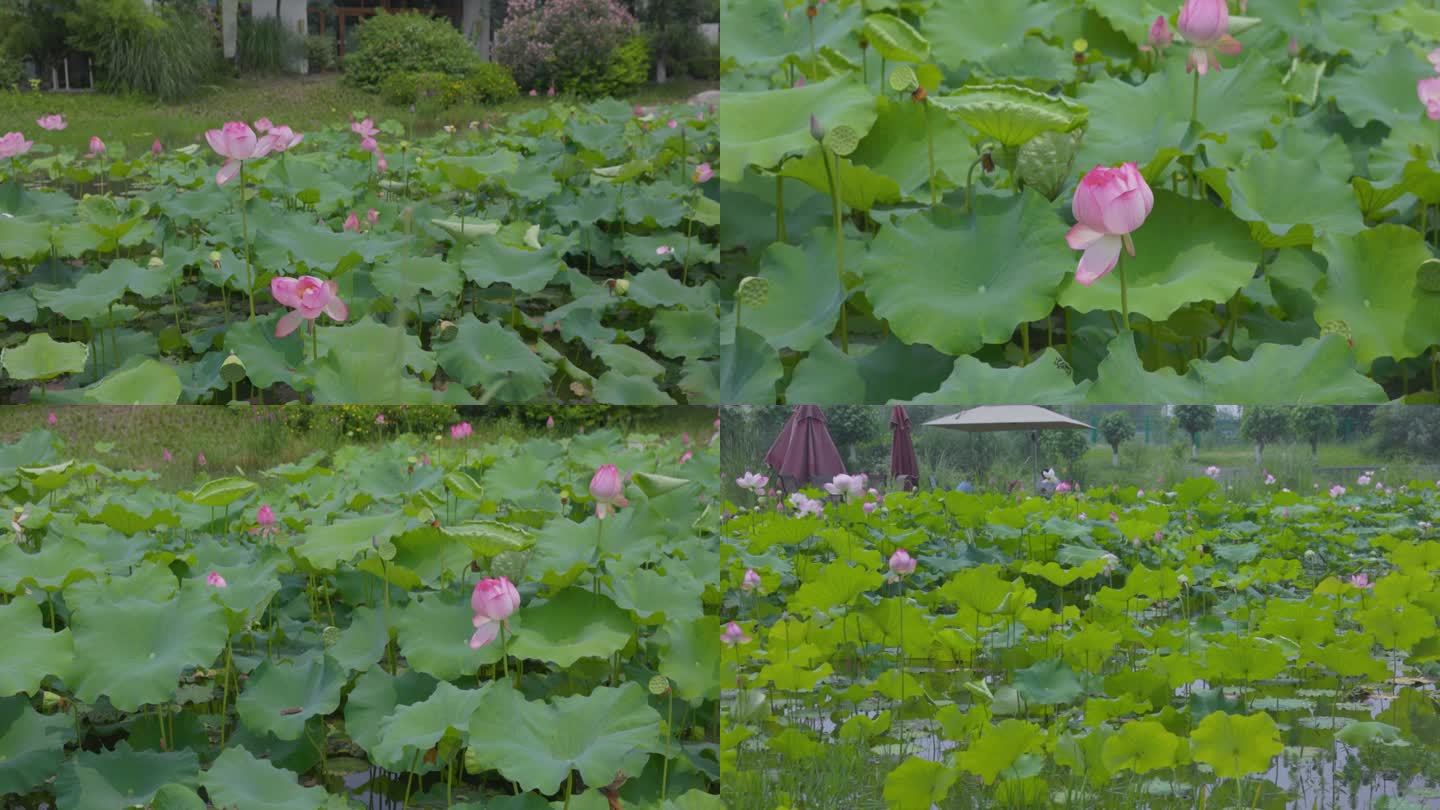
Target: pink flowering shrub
column 567, row 44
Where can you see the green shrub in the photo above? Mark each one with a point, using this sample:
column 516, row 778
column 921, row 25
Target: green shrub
column 572, row 45
column 629, row 68
column 358, row 421
column 320, row 52
column 167, row 53
column 266, row 46
column 407, row 43
column 490, row 83
column 11, row 72
column 410, row 87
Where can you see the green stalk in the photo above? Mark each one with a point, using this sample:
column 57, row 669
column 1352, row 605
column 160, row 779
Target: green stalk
column 1195, row 101
column 833, row 179
column 669, row 732
column 245, row 233
column 930, row 144
column 1124, row 292
column 779, row 207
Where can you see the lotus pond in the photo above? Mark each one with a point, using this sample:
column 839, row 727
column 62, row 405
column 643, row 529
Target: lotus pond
column 1112, row 648
column 900, row 178
column 567, row 253
column 422, row 622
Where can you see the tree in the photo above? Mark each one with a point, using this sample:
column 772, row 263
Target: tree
column 1313, row 423
column 1262, row 425
column 1194, row 420
column 1117, row 428
column 671, row 27
column 1067, row 445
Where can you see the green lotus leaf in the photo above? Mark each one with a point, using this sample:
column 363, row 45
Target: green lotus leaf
column 806, row 295
column 1048, row 683
column 237, row 779
column 1236, row 745
column 488, row 261
column 148, row 382
column 1364, row 733
column 23, row 237
column 41, row 357
column 891, row 371
column 1001, row 268
column 1046, row 380
column 999, row 748
column 32, row 745
column 749, row 369
column 121, row 777
column 761, row 38
column 495, row 358
column 223, row 491
column 976, row 32
column 32, row 652
column 614, row 388
column 1382, row 89
column 91, row 297
column 690, row 658
column 770, row 125
column 434, row 634
column 1012, row 114
column 280, row 696
column 326, row 546
column 1187, row 250
column 1371, row 285
column 404, row 278
column 417, row 727
column 895, row 148
column 375, row 697
column 894, row 39
column 861, row 188
column 918, row 784
column 569, row 626
column 1257, row 194
column 597, row 735
column 1141, row 746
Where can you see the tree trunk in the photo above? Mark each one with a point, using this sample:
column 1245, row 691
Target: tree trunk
column 1314, row 449
column 1194, row 447
column 1114, row 456
column 661, row 74
column 1259, row 450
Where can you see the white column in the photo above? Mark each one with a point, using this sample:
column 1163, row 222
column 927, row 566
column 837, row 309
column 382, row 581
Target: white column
column 228, row 14
column 262, row 9
column 292, row 18
column 475, row 25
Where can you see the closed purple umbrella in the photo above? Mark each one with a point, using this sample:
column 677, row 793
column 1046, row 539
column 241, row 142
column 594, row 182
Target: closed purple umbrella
column 804, row 450
column 903, row 464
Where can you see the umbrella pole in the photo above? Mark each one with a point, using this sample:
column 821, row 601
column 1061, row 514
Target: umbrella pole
column 1035, row 460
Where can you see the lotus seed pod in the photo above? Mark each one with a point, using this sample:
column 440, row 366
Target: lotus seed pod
column 841, row 140
column 1428, row 279
column 156, row 263
column 50, row 702
column 233, row 369
column 622, row 286
column 903, row 79
column 447, row 330
column 659, row 685
column 215, row 257
column 753, row 291
column 473, row 764
column 1337, row 328
column 330, row 636
column 386, row 550
column 1046, row 160
column 509, row 564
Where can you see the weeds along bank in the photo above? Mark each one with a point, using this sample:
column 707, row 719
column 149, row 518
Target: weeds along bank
column 440, row 621
column 1117, row 647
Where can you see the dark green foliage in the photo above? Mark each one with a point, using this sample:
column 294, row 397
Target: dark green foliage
column 166, row 53
column 1194, row 420
column 11, row 72
column 1262, row 425
column 490, row 83
column 320, row 52
column 629, row 68
column 1313, row 424
column 413, row 87
column 1407, row 431
column 407, row 43
column 486, row 83
column 1117, row 427
column 354, row 422
column 1063, row 447
column 266, row 46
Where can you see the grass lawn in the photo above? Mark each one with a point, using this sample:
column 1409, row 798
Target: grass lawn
column 303, row 102
column 243, row 441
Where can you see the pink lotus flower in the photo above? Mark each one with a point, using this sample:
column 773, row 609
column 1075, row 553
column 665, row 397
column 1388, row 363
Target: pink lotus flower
column 382, row 165
column 1063, row 486
column 1212, row 471
column 156, row 148
column 1364, row 479
column 365, row 129
column 1336, row 491
column 534, row 92
column 352, row 223
column 1108, row 206
column 550, row 422
column 283, row 139
column 263, row 126
column 1160, row 35
column 214, row 580
column 608, row 490
column 237, row 143
column 551, row 91
column 307, row 297
column 664, row 250
column 686, row 456
column 1429, row 92
column 733, row 634
column 13, row 144
column 901, row 563
column 672, row 123
column 850, row 486
column 1269, row 479
column 97, row 146
column 461, row 431
column 1433, row 57
column 754, row 482
column 1361, row 581
column 751, row 581
column 1205, row 24
column 53, row 123
column 703, row 173
column 51, row 419
column 493, row 601
column 870, row 507
column 166, row 455
column 372, row 216
column 200, row 459
column 379, row 418
column 265, row 516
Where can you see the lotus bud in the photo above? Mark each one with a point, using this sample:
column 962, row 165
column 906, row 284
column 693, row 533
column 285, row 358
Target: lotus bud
column 215, row 257
column 621, row 286
column 51, row 702
column 816, row 131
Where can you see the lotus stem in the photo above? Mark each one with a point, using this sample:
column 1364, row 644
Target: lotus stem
column 1124, row 292
column 930, row 144
column 970, row 185
column 834, row 180
column 245, row 234
column 780, row 206
column 505, row 650
column 669, row 731
column 1195, row 100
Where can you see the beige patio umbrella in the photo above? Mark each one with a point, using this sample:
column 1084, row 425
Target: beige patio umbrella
column 1030, row 418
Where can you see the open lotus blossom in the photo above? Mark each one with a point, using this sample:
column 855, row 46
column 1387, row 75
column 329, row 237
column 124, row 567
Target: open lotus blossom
column 352, row 223
column 1063, row 486
column 1109, row 204
column 369, row 144
column 283, row 139
column 901, row 563
column 1336, row 491
column 13, row 144
column 1364, row 479
column 703, row 173
column 365, row 128
column 97, row 146
column 805, row 505
column 214, row 580
column 751, row 581
column 1269, row 479
column 461, row 431
column 754, row 482
column 263, row 125
column 493, row 601
column 1361, row 581
column 851, row 486
column 1429, row 92
column 608, row 490
column 664, row 250
column 307, row 297
column 733, row 634
column 1212, row 471
column 1205, row 24
column 237, row 143
column 54, row 123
